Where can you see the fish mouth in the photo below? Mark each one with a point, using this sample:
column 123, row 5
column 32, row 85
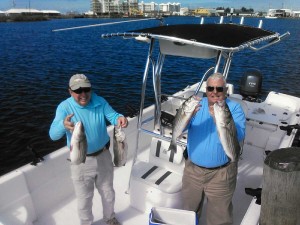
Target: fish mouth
column 216, row 98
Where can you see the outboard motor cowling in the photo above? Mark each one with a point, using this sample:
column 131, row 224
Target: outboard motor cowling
column 251, row 83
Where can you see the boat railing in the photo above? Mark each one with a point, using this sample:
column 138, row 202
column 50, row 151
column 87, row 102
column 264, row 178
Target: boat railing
column 162, row 137
column 272, row 42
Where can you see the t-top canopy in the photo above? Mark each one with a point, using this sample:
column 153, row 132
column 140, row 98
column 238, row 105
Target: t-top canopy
column 223, row 35
column 203, row 40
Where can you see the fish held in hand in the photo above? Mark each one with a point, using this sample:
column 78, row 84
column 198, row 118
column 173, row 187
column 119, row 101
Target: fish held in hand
column 120, row 147
column 182, row 118
column 226, row 130
column 78, row 146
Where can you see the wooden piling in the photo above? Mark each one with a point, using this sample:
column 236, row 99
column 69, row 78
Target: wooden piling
column 280, row 199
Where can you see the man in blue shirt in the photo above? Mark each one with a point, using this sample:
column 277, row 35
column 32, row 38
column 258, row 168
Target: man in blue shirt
column 92, row 111
column 208, row 171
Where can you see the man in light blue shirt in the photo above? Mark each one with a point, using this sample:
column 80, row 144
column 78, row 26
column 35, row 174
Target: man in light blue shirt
column 93, row 111
column 208, row 171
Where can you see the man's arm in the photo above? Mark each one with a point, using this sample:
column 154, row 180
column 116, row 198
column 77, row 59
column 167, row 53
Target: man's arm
column 57, row 128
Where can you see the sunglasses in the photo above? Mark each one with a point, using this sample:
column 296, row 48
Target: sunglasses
column 80, row 90
column 211, row 88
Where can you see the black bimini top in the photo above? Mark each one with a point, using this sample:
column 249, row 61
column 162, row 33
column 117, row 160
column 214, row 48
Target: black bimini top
column 225, row 35
column 203, row 40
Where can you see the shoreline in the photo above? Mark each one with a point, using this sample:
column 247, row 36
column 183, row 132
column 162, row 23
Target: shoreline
column 37, row 18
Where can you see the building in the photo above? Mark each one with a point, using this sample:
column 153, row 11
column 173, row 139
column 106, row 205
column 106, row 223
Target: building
column 96, row 7
column 280, row 12
column 296, row 14
column 184, row 11
column 169, row 8
column 31, row 12
column 114, row 6
column 205, row 12
column 51, row 12
column 151, row 7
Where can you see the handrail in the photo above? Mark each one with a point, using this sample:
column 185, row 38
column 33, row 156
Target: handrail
column 159, row 136
column 272, row 42
column 100, row 24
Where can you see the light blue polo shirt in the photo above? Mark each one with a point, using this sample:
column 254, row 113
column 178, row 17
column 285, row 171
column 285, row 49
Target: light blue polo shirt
column 92, row 116
column 204, row 146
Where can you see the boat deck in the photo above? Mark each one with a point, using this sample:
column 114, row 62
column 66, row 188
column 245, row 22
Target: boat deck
column 250, row 171
column 44, row 195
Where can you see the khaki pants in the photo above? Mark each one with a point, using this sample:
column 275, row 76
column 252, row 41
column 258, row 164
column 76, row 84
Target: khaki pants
column 96, row 171
column 217, row 185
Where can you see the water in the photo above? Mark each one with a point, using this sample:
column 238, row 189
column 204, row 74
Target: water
column 36, row 64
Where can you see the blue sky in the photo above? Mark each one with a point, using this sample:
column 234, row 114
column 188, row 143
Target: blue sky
column 84, row 5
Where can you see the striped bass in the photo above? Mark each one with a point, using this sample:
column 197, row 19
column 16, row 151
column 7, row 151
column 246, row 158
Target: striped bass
column 226, row 130
column 120, row 147
column 78, row 146
column 182, row 118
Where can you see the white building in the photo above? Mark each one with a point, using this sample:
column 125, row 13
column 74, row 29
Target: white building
column 15, row 12
column 113, row 6
column 280, row 12
column 148, row 7
column 169, row 8
column 296, row 14
column 184, row 11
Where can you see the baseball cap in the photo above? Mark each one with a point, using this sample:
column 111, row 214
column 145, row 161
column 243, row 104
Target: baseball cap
column 79, row 81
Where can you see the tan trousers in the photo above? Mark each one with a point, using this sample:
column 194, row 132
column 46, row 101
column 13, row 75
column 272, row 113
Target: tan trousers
column 96, row 171
column 216, row 185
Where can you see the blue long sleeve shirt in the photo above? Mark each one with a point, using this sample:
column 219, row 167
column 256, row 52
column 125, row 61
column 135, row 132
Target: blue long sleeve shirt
column 93, row 118
column 204, row 146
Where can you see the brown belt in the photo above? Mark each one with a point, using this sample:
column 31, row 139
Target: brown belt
column 214, row 168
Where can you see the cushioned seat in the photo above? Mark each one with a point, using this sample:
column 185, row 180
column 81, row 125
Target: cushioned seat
column 157, row 182
column 158, row 177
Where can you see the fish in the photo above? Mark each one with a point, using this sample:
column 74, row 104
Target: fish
column 226, row 130
column 78, row 146
column 120, row 147
column 182, row 119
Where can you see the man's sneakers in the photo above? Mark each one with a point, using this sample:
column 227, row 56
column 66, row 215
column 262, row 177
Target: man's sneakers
column 113, row 221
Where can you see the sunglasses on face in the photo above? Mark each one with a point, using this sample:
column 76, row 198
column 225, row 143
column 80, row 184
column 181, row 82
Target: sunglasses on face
column 80, row 90
column 211, row 88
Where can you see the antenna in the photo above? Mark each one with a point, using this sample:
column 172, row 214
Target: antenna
column 231, row 13
column 14, row 4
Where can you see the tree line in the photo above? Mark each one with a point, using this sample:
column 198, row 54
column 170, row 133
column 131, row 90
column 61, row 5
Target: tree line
column 243, row 9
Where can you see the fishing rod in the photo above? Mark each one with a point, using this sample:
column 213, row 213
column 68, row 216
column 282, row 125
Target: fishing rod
column 102, row 24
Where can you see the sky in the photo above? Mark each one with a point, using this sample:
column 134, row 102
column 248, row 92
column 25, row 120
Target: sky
column 84, row 5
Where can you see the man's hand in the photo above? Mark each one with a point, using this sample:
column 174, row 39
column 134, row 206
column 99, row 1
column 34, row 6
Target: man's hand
column 68, row 124
column 122, row 122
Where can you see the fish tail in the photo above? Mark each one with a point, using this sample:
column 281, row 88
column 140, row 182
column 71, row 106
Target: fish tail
column 173, row 147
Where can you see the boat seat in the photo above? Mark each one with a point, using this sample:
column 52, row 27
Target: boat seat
column 158, row 181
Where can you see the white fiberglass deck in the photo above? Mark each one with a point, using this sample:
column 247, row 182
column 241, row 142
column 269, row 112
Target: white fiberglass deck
column 44, row 195
column 250, row 171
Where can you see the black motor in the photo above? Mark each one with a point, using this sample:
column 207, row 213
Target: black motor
column 250, row 86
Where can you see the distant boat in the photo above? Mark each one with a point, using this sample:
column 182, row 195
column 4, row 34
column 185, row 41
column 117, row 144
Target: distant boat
column 271, row 17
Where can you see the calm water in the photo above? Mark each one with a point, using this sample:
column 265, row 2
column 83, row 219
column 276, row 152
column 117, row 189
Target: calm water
column 35, row 66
